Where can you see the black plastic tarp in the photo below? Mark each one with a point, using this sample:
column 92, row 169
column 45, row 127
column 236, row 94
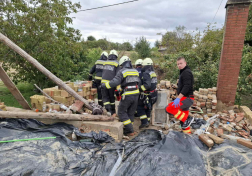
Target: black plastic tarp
column 150, row 153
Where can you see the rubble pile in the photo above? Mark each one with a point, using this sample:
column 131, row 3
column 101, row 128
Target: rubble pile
column 214, row 128
column 42, row 103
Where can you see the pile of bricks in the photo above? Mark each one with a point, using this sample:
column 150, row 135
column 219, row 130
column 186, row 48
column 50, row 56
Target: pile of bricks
column 168, row 85
column 228, row 125
column 206, row 99
column 84, row 89
column 2, row 106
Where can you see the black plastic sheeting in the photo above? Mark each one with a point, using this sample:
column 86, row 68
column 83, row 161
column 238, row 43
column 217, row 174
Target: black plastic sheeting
column 150, row 153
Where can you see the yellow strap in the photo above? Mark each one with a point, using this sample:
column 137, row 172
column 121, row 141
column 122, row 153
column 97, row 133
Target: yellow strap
column 153, row 75
column 104, row 81
column 106, row 103
column 179, row 112
column 97, row 77
column 143, row 117
column 111, row 63
column 127, row 122
column 112, row 103
column 130, row 73
column 182, row 116
column 99, row 100
column 131, row 92
column 99, row 62
column 107, row 85
column 143, row 88
column 186, row 131
column 148, row 118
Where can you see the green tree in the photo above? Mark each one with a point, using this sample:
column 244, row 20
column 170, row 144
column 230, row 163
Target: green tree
column 91, row 38
column 126, row 46
column 178, row 40
column 40, row 28
column 157, row 44
column 203, row 58
column 103, row 44
column 244, row 88
column 142, row 46
column 248, row 37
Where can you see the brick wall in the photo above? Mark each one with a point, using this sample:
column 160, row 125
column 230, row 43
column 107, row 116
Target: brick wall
column 229, row 68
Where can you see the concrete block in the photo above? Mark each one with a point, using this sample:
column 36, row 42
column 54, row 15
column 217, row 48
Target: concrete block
column 159, row 115
column 116, row 128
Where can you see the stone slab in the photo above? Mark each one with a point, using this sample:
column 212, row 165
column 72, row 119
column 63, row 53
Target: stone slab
column 116, row 128
column 247, row 112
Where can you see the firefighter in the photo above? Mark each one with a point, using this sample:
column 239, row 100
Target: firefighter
column 128, row 78
column 97, row 69
column 110, row 68
column 138, row 65
column 180, row 106
column 148, row 96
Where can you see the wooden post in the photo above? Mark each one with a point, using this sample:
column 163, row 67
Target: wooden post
column 39, row 116
column 13, row 89
column 41, row 68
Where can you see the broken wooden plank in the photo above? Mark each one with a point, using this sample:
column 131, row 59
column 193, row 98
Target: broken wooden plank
column 38, row 116
column 13, row 89
column 41, row 68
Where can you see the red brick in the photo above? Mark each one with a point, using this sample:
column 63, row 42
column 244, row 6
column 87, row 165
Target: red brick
column 245, row 143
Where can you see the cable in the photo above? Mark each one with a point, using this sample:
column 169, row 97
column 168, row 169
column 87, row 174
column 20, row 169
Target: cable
column 31, row 139
column 107, row 6
column 217, row 11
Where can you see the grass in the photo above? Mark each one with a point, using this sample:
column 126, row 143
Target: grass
column 26, row 89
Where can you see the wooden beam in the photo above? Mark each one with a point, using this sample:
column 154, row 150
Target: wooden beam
column 41, row 68
column 13, row 89
column 39, row 116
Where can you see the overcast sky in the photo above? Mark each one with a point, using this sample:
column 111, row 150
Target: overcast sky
column 129, row 21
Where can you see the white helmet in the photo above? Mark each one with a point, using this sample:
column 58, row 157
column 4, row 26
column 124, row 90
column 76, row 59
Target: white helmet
column 139, row 62
column 124, row 59
column 147, row 61
column 105, row 53
column 113, row 52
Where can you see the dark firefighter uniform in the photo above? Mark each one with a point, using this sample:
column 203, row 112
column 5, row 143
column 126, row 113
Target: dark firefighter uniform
column 128, row 77
column 138, row 65
column 148, row 96
column 97, row 69
column 110, row 68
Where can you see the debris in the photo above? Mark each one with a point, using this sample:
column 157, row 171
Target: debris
column 220, row 131
column 244, row 143
column 126, row 137
column 206, row 140
column 216, row 139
